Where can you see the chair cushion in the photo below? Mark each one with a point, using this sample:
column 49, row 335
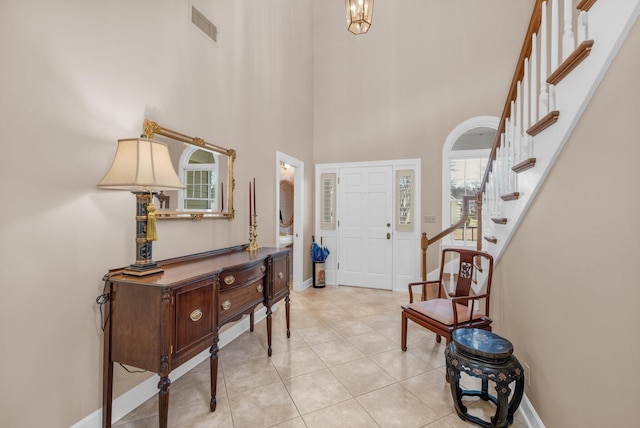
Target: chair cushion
column 442, row 311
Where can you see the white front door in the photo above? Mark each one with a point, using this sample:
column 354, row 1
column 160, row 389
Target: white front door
column 365, row 217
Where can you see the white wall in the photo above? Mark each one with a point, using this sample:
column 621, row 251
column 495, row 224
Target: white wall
column 75, row 77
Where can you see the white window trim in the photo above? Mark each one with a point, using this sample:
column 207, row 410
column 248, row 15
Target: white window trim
column 448, row 155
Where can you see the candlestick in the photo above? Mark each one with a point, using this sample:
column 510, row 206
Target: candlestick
column 253, row 233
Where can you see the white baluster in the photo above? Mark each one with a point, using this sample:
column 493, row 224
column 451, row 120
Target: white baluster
column 568, row 41
column 533, row 113
column 583, row 26
column 512, row 116
column 544, row 97
column 490, row 196
column 485, row 219
column 496, row 207
column 525, row 100
column 555, row 49
column 493, row 193
column 505, row 171
column 505, row 168
column 505, row 176
column 555, row 39
column 510, row 164
column 498, row 169
column 518, row 137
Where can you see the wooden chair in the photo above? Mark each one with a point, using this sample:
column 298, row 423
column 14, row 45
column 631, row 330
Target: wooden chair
column 443, row 312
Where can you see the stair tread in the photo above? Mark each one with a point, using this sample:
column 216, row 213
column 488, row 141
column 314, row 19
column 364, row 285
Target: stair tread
column 524, row 165
column 510, row 196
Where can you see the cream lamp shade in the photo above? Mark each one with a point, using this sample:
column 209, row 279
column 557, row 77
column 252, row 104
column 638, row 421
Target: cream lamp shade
column 359, row 14
column 141, row 163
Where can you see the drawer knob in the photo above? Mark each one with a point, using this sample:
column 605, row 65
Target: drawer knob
column 280, row 275
column 195, row 315
column 226, row 305
column 259, row 288
column 263, row 268
column 229, row 279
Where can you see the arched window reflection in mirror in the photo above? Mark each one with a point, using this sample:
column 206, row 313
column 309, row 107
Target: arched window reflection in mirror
column 199, row 173
column 207, row 171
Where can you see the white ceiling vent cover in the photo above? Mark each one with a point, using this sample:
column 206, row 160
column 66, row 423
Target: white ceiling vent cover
column 207, row 27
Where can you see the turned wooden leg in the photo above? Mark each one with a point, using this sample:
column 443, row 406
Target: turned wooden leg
column 213, row 369
column 269, row 330
column 288, row 311
column 404, row 332
column 251, row 321
column 163, row 400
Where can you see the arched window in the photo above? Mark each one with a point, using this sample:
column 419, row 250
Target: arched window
column 464, row 159
column 198, row 171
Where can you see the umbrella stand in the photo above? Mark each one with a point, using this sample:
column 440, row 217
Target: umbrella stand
column 318, row 275
column 319, row 255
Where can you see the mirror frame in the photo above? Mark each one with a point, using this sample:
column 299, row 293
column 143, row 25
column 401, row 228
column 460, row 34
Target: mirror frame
column 150, row 128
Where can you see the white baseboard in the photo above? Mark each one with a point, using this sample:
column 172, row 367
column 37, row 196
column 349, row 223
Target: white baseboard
column 306, row 284
column 529, row 413
column 147, row 389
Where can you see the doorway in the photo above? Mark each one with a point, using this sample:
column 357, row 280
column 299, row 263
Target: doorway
column 356, row 205
column 289, row 215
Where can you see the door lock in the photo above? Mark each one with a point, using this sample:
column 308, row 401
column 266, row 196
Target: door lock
column 388, row 235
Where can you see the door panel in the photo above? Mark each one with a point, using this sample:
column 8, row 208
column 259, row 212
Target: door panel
column 365, row 217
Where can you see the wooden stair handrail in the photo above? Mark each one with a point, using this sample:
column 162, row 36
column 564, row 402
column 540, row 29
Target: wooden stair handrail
column 525, row 52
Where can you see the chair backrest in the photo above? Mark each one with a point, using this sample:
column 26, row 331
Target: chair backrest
column 469, row 262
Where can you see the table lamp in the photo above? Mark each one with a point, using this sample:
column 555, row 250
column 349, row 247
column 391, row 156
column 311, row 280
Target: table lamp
column 142, row 166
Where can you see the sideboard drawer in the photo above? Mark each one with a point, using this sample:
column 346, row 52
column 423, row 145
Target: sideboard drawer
column 237, row 301
column 232, row 278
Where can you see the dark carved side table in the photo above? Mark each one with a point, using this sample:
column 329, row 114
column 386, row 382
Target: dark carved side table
column 485, row 355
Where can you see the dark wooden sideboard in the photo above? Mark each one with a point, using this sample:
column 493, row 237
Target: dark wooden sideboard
column 160, row 321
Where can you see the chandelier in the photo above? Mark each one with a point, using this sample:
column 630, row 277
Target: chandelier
column 359, row 14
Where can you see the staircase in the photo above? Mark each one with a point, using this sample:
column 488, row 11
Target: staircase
column 567, row 50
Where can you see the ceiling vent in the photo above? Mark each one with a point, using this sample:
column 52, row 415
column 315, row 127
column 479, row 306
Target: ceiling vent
column 207, row 27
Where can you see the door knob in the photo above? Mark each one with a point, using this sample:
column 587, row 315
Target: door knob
column 388, row 224
column 388, row 235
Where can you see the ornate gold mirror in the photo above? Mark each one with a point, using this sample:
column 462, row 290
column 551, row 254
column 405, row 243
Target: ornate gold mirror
column 206, row 171
column 286, row 203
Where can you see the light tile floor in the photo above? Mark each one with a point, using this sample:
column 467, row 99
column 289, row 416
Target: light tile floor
column 342, row 367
